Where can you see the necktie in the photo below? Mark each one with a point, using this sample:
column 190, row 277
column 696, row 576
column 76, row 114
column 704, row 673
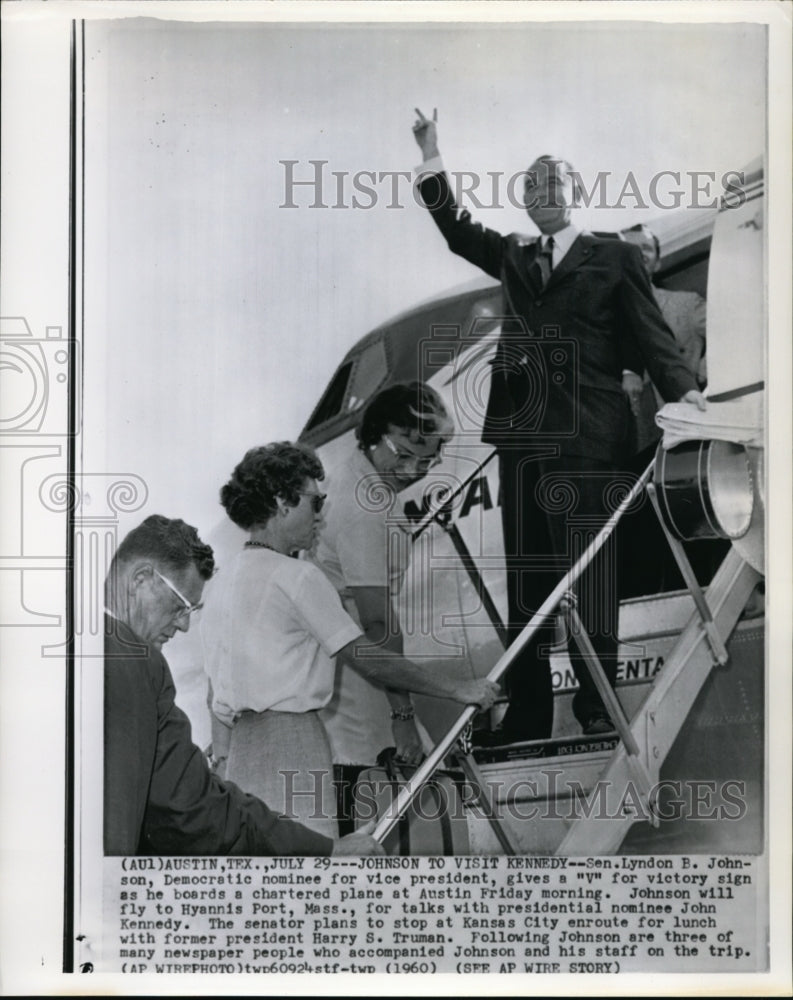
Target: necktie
column 545, row 260
column 543, row 263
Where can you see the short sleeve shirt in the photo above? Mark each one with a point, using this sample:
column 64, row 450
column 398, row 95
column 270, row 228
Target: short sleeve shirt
column 363, row 543
column 270, row 628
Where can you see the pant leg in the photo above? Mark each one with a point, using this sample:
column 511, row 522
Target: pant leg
column 578, row 496
column 344, row 778
column 527, row 548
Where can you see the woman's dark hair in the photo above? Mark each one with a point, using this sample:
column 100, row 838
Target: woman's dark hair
column 410, row 406
column 265, row 473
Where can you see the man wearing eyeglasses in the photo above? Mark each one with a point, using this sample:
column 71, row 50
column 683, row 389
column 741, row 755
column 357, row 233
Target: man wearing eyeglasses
column 159, row 794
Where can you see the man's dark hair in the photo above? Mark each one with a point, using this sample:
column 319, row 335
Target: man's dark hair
column 641, row 228
column 170, row 541
column 266, row 473
column 410, row 406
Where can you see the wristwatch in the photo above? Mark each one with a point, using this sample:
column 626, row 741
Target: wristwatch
column 213, row 761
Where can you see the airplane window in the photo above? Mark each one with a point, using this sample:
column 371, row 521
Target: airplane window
column 331, row 403
column 371, row 370
column 354, row 382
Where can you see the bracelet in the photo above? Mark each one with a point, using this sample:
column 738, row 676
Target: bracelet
column 404, row 714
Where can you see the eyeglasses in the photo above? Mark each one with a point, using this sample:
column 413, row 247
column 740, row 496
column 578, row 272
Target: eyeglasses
column 421, row 463
column 188, row 609
column 317, row 500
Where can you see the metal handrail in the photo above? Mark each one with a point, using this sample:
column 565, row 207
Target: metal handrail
column 445, row 498
column 435, row 758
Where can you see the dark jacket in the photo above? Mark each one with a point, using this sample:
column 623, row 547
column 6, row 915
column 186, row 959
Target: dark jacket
column 159, row 795
column 557, row 372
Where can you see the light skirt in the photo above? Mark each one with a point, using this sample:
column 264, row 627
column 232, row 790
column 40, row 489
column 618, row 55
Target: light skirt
column 284, row 759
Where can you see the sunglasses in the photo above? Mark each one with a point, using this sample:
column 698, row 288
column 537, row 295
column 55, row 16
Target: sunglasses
column 188, row 608
column 317, row 500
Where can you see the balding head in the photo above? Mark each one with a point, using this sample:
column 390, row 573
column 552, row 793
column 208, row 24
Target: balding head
column 549, row 193
column 646, row 240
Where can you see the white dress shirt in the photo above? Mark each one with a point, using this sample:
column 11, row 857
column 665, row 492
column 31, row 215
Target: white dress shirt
column 562, row 241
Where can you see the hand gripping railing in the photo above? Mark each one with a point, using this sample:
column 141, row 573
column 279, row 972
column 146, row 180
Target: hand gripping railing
column 435, row 758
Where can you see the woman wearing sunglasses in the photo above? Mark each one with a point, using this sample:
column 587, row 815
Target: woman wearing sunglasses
column 271, row 627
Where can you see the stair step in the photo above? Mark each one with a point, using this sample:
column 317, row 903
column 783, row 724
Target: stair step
column 563, row 747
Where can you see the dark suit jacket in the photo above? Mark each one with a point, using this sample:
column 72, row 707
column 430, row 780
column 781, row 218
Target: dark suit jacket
column 557, row 373
column 159, row 794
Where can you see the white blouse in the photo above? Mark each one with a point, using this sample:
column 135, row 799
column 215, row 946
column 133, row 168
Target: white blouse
column 270, row 627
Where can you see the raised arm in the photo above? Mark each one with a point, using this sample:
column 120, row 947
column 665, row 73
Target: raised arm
column 482, row 247
column 426, row 134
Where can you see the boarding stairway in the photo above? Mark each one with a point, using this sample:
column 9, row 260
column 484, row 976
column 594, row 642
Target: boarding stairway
column 632, row 757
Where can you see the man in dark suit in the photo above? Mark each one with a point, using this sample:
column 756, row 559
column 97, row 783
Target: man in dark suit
column 685, row 313
column 159, row 795
column 575, row 307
